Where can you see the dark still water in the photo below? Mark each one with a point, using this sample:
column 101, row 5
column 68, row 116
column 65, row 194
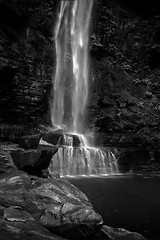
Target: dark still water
column 125, row 201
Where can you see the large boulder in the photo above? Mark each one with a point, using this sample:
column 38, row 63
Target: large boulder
column 121, row 234
column 25, row 157
column 18, row 224
column 32, row 161
column 54, row 203
column 40, row 168
column 52, row 137
column 29, row 141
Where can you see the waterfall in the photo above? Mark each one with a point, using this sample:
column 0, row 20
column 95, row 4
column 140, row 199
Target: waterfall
column 74, row 158
column 71, row 78
column 70, row 93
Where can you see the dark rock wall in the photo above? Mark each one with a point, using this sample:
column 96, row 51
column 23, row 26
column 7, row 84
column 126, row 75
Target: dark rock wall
column 124, row 68
column 26, row 59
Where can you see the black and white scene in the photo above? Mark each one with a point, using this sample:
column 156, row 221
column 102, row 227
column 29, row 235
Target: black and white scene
column 79, row 120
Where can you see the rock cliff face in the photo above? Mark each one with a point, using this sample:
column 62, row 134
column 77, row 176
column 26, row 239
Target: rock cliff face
column 124, row 83
column 26, row 59
column 125, row 70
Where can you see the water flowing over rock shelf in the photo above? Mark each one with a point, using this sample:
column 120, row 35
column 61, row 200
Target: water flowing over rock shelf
column 81, row 159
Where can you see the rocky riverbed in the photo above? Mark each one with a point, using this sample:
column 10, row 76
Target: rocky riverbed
column 37, row 206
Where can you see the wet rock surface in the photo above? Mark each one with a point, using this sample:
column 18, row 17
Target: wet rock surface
column 52, row 137
column 19, row 224
column 33, row 161
column 35, row 208
column 121, row 234
column 6, row 162
column 16, row 214
column 30, row 141
column 53, row 203
column 24, row 158
column 124, row 72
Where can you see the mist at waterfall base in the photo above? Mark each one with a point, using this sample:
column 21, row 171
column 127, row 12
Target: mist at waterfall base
column 129, row 202
column 70, row 93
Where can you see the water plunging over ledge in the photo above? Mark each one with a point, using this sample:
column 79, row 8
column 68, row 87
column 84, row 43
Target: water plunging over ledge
column 70, row 93
column 71, row 76
column 74, row 158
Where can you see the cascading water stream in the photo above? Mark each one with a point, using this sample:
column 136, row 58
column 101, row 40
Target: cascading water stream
column 70, row 93
column 81, row 160
column 71, row 78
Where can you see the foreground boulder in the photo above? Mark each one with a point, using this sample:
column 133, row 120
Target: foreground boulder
column 17, row 224
column 120, row 234
column 52, row 203
column 33, row 161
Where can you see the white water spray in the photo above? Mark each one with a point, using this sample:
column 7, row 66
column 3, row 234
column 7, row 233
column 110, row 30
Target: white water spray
column 71, row 78
column 77, row 160
column 75, row 156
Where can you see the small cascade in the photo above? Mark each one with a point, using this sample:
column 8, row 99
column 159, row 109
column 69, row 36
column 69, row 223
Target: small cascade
column 74, row 158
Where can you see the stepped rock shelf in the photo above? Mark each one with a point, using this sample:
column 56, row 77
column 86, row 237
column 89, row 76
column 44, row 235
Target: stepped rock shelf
column 75, row 157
